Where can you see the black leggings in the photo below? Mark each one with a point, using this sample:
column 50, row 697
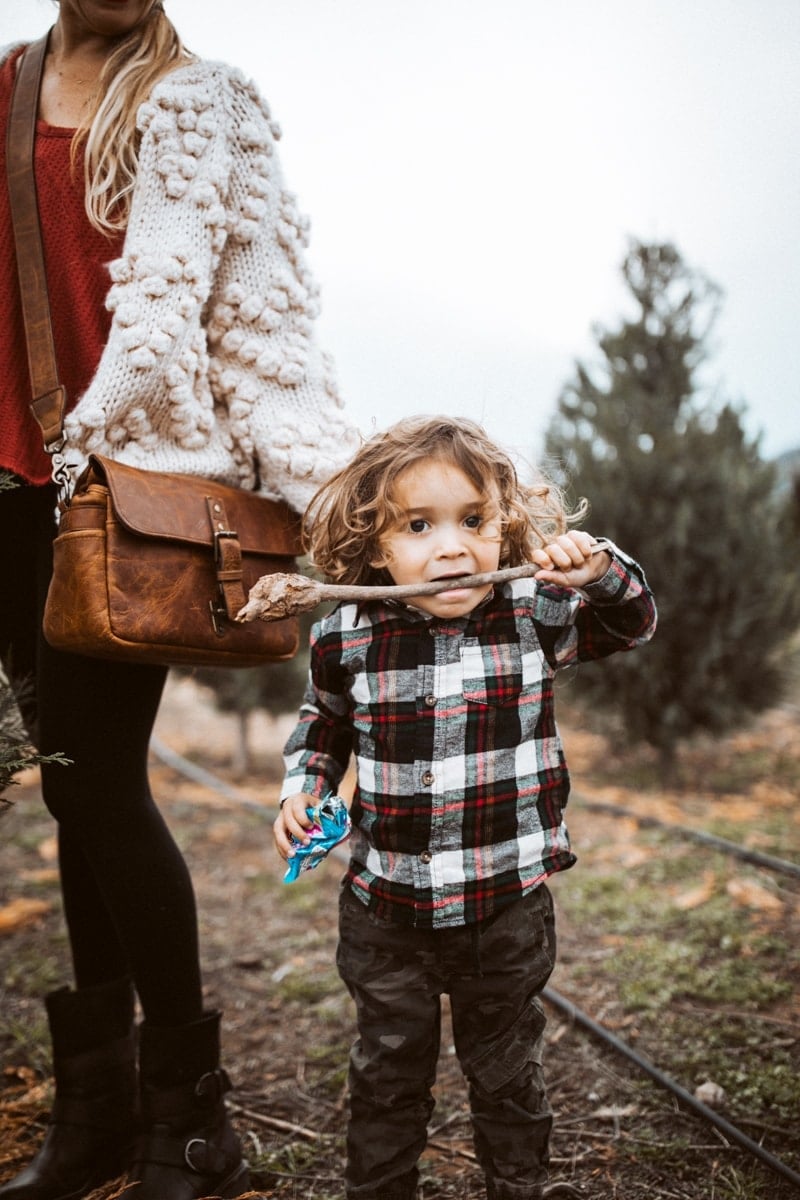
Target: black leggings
column 128, row 897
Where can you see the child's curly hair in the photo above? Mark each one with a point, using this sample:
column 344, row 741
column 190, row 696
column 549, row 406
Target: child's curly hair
column 354, row 510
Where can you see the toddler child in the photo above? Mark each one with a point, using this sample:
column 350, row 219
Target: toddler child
column 446, row 702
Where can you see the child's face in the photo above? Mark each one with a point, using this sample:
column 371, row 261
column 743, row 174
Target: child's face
column 446, row 528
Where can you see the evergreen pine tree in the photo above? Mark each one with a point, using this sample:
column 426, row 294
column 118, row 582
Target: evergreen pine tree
column 676, row 482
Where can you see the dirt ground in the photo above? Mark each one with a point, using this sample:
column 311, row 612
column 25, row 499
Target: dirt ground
column 268, row 959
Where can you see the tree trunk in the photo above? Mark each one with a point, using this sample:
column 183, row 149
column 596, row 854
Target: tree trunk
column 241, row 762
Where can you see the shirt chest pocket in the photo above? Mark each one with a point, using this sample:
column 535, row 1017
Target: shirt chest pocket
column 492, row 673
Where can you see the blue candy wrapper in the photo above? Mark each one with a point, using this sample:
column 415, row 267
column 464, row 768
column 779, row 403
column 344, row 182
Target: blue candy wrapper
column 331, row 826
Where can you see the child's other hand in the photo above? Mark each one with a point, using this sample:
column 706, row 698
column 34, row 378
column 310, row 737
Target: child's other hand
column 571, row 560
column 292, row 822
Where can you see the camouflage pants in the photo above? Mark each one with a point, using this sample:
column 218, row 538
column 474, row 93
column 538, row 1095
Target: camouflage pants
column 493, row 973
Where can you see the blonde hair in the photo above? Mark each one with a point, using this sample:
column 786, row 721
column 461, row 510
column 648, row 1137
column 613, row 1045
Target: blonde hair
column 354, row 510
column 108, row 135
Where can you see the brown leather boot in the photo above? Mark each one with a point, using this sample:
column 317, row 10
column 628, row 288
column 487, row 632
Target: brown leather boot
column 92, row 1124
column 188, row 1148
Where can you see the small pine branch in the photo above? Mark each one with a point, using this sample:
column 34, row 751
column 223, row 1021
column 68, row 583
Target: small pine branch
column 16, row 751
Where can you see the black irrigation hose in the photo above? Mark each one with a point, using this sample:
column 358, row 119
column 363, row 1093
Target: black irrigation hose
column 198, row 775
column 731, row 1132
column 695, row 835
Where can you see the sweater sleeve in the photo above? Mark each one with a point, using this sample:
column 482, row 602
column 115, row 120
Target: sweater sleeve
column 212, row 366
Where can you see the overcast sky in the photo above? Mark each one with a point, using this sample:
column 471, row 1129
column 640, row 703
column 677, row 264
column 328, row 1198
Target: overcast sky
column 474, row 168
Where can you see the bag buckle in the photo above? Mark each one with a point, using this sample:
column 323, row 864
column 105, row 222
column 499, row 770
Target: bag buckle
column 219, row 614
column 220, row 608
column 59, row 468
column 219, row 534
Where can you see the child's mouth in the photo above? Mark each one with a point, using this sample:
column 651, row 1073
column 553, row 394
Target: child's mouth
column 450, row 592
column 450, row 578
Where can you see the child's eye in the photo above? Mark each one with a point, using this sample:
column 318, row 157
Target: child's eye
column 474, row 521
column 418, row 525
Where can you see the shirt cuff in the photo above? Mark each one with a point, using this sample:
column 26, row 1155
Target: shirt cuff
column 615, row 584
column 311, row 785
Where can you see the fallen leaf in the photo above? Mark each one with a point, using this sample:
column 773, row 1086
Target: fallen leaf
column 612, row 1112
column 20, row 1075
column 21, row 912
column 711, row 1094
column 281, row 972
column 749, row 894
column 696, row 896
column 42, row 875
column 48, row 849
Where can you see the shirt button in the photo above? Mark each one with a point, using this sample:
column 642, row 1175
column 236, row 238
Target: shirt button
column 430, row 701
column 427, row 778
column 426, row 856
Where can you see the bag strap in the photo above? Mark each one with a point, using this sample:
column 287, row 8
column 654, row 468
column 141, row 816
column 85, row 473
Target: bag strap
column 48, row 395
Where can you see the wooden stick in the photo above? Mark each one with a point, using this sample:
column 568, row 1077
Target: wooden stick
column 273, row 597
column 310, row 1135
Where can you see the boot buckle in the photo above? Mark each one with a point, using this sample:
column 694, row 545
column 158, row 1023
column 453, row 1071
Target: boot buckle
column 212, row 1086
column 187, row 1154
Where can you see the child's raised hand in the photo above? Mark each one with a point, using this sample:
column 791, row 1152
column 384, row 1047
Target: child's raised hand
column 572, row 560
column 292, row 822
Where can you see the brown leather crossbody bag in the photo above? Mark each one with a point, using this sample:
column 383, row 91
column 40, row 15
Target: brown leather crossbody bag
column 148, row 566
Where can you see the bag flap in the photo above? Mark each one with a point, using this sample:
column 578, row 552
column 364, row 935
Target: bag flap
column 175, row 507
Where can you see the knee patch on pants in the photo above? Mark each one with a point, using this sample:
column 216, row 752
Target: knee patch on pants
column 513, row 1056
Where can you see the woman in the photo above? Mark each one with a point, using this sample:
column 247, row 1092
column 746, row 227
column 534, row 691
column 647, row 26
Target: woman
column 156, row 172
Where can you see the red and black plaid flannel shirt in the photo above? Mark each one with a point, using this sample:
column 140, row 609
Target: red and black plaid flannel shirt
column 461, row 778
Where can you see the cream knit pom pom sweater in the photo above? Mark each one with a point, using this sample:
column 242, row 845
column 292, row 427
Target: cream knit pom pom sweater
column 211, row 366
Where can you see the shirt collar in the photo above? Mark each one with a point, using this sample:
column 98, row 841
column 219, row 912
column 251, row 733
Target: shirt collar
column 416, row 616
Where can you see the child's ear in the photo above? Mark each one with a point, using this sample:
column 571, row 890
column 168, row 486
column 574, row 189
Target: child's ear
column 380, row 558
column 382, row 565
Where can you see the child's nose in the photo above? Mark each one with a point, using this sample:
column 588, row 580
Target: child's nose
column 451, row 542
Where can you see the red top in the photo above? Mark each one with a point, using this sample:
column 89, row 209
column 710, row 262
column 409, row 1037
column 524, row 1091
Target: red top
column 76, row 261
